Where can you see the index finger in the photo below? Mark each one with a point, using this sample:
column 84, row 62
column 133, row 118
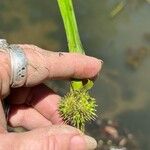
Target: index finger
column 44, row 65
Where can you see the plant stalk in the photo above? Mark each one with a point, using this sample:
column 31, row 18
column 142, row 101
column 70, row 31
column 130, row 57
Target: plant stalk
column 72, row 33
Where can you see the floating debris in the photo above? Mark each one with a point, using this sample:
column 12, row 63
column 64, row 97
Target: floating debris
column 118, row 8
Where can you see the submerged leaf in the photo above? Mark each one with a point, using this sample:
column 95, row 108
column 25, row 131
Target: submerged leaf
column 120, row 6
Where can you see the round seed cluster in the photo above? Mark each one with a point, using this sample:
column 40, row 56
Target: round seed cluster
column 77, row 107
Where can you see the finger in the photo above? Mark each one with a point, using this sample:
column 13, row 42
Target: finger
column 44, row 64
column 49, row 138
column 4, row 74
column 26, row 117
column 3, row 125
column 41, row 98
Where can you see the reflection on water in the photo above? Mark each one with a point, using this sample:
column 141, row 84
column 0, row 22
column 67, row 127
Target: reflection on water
column 122, row 41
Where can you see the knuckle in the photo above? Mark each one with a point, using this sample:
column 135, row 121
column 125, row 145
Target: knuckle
column 4, row 73
column 30, row 47
column 33, row 46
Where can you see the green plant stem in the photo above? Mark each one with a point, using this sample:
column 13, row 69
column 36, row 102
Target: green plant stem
column 73, row 38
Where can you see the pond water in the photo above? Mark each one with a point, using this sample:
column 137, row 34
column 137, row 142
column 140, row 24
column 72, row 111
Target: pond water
column 121, row 40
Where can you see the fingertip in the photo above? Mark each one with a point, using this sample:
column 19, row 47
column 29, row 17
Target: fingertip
column 93, row 67
column 90, row 142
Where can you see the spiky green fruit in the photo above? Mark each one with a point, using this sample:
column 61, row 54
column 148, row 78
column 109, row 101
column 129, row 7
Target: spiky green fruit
column 77, row 106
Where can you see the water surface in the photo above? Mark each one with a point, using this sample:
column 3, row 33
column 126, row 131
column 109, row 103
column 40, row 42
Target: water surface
column 123, row 42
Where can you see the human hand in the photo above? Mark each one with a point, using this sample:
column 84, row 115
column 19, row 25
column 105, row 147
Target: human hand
column 34, row 106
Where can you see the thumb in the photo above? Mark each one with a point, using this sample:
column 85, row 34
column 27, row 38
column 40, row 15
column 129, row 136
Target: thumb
column 60, row 137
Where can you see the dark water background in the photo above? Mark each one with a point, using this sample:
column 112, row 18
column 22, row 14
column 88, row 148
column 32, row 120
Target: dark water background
column 123, row 89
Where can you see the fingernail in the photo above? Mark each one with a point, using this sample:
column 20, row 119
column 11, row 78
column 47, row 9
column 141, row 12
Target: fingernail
column 91, row 143
column 101, row 61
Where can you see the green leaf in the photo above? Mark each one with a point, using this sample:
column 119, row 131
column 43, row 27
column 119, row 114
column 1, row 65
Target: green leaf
column 88, row 85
